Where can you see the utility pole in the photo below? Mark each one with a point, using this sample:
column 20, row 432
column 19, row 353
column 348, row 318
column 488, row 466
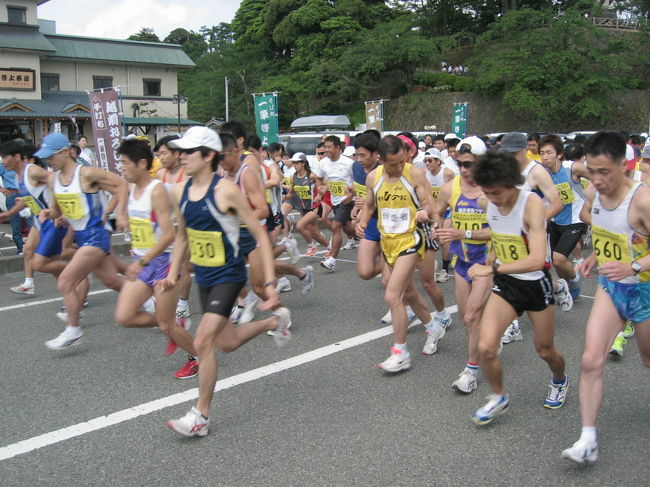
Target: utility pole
column 226, row 92
column 177, row 100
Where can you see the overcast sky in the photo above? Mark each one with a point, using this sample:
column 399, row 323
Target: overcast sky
column 120, row 18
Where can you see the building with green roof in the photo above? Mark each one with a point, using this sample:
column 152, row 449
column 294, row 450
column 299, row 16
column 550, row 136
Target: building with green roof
column 45, row 78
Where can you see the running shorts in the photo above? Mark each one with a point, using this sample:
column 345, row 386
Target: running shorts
column 342, row 212
column 220, row 298
column 395, row 247
column 523, row 295
column 156, row 270
column 564, row 238
column 51, row 239
column 372, row 232
column 96, row 236
column 632, row 301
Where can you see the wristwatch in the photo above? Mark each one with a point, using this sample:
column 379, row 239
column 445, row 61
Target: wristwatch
column 468, row 234
column 636, row 266
column 495, row 268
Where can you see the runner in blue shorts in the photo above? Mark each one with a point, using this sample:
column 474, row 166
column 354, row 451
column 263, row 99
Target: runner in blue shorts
column 76, row 197
column 618, row 209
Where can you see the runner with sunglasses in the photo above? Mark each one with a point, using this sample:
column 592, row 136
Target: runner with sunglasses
column 209, row 211
column 467, row 239
column 76, row 197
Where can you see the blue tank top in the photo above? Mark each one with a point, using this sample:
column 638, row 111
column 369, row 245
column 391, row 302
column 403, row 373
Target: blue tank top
column 565, row 190
column 466, row 214
column 213, row 238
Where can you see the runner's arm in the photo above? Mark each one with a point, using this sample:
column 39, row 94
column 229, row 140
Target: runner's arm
column 179, row 254
column 543, row 181
column 255, row 194
column 585, row 212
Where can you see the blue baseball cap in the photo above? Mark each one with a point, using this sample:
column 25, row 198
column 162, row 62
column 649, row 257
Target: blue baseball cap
column 52, row 144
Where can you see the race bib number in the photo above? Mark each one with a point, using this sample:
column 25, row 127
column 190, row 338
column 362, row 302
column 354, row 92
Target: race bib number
column 303, row 192
column 360, row 190
column 70, row 204
column 30, row 203
column 469, row 221
column 610, row 246
column 287, row 181
column 395, row 220
column 142, row 236
column 337, row 188
column 566, row 193
column 435, row 192
column 269, row 198
column 509, row 248
column 206, row 248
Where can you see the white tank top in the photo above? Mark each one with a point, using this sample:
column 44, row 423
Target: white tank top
column 526, row 186
column 614, row 239
column 509, row 239
column 81, row 210
column 436, row 181
column 143, row 222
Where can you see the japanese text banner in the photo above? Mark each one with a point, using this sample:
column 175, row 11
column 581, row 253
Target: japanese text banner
column 107, row 128
column 266, row 117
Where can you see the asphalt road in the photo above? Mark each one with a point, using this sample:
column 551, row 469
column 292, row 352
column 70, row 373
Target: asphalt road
column 316, row 412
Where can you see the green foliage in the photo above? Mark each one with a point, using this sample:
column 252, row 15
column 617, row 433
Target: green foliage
column 439, row 80
column 549, row 67
column 192, row 42
column 145, row 34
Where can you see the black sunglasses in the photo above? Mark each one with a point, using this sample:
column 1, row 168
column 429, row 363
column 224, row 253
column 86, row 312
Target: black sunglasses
column 465, row 149
column 465, row 164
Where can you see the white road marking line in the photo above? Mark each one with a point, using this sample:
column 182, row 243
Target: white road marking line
column 588, row 297
column 58, row 436
column 51, row 300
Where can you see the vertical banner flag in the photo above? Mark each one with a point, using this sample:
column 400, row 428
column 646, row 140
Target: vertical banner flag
column 375, row 115
column 107, row 128
column 459, row 119
column 266, row 117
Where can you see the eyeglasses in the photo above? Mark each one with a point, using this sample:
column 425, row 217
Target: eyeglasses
column 222, row 155
column 320, row 153
column 465, row 149
column 465, row 164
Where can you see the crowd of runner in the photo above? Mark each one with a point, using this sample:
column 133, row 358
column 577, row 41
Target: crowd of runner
column 220, row 209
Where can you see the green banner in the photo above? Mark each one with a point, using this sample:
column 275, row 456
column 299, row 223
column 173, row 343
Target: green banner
column 266, row 117
column 459, row 119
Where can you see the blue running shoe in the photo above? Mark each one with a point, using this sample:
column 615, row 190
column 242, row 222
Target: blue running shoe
column 556, row 394
column 496, row 405
column 574, row 292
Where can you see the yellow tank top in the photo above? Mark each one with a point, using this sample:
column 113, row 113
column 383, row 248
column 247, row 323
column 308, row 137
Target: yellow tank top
column 396, row 203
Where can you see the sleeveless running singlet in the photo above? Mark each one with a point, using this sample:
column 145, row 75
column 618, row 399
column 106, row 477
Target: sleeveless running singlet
column 466, row 214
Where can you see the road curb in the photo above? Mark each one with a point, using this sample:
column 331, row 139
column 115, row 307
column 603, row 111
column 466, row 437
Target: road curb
column 14, row 263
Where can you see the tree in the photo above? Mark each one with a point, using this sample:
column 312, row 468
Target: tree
column 192, row 42
column 552, row 68
column 144, row 34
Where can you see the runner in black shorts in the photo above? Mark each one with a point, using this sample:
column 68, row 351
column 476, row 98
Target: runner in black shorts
column 518, row 234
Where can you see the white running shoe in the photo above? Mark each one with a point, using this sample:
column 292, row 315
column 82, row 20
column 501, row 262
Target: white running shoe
column 328, row 263
column 444, row 322
column 433, row 337
column 307, row 281
column 466, row 382
column 352, row 243
column 496, row 405
column 443, row 276
column 22, row 289
column 292, row 250
column 512, row 333
column 192, row 424
column 563, row 296
column 397, row 362
column 582, row 451
column 182, row 312
column 62, row 314
column 284, row 285
column 387, row 319
column 150, row 305
column 281, row 334
column 235, row 313
column 251, row 303
column 64, row 340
